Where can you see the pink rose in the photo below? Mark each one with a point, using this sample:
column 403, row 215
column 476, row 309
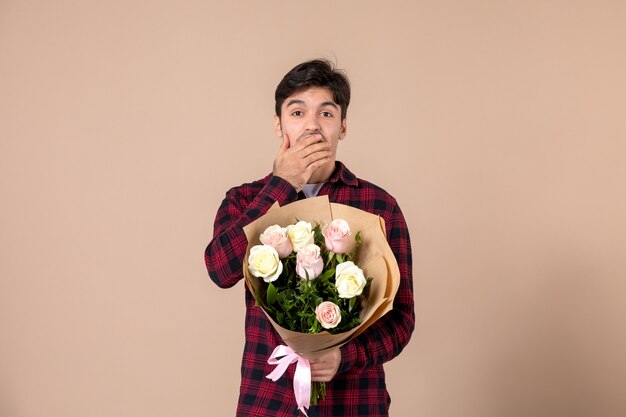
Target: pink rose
column 328, row 314
column 336, row 236
column 276, row 237
column 309, row 262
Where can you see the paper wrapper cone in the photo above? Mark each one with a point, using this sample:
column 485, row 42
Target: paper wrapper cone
column 375, row 258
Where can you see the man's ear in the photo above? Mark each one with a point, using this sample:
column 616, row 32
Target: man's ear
column 277, row 127
column 343, row 130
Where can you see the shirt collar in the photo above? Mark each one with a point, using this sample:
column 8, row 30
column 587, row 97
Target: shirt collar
column 343, row 174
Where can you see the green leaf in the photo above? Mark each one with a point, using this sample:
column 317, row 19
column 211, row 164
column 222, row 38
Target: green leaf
column 271, row 294
column 327, row 274
column 352, row 303
column 355, row 253
column 330, row 256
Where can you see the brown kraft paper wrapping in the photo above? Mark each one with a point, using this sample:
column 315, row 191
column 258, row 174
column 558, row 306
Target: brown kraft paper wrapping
column 375, row 258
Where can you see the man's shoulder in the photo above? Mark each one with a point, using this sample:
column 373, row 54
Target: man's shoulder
column 370, row 197
column 371, row 186
column 349, row 178
column 249, row 188
column 374, row 190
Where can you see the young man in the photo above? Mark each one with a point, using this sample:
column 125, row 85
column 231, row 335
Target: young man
column 311, row 105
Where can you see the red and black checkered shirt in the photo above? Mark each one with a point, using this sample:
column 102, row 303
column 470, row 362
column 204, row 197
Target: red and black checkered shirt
column 359, row 388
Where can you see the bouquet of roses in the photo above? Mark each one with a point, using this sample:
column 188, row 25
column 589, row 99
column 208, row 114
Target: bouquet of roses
column 310, row 280
column 313, row 283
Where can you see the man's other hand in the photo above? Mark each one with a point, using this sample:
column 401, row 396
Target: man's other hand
column 324, row 368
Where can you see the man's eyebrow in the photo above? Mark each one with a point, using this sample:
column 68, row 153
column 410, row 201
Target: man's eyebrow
column 330, row 103
column 294, row 101
column 324, row 104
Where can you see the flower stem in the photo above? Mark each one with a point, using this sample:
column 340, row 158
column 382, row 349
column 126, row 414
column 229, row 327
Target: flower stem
column 318, row 392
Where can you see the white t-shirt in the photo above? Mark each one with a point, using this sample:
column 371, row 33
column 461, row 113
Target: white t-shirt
column 311, row 190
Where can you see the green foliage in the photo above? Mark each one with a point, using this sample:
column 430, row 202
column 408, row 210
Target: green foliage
column 271, row 294
column 291, row 301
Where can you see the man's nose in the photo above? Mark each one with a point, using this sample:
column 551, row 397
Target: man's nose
column 312, row 123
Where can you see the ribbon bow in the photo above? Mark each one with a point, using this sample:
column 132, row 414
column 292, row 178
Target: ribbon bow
column 301, row 379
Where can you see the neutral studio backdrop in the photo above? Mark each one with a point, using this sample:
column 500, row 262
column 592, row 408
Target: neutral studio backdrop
column 499, row 126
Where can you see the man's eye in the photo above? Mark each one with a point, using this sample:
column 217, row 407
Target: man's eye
column 297, row 113
column 326, row 114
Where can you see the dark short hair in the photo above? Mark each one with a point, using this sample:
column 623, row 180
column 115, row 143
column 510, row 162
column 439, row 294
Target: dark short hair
column 315, row 73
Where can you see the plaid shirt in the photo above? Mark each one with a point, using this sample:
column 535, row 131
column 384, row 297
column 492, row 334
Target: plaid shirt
column 359, row 388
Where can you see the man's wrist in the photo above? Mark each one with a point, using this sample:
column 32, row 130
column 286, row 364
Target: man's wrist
column 281, row 183
column 280, row 190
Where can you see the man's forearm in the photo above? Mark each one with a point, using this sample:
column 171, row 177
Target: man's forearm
column 386, row 338
column 224, row 254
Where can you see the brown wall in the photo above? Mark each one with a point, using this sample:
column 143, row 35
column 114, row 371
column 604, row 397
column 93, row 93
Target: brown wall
column 498, row 125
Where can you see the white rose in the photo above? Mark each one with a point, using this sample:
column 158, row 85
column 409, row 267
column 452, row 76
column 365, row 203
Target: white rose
column 349, row 280
column 300, row 234
column 264, row 262
column 276, row 237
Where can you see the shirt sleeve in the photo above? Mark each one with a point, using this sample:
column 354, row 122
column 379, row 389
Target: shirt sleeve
column 224, row 254
column 386, row 338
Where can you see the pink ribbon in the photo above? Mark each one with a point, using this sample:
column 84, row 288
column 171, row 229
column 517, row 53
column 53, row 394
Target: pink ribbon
column 301, row 379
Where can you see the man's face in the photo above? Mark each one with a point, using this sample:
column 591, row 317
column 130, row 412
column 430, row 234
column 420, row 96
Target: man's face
column 309, row 112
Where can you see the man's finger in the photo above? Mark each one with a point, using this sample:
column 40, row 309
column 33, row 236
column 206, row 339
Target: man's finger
column 316, row 156
column 315, row 148
column 285, row 145
column 315, row 165
column 308, row 141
